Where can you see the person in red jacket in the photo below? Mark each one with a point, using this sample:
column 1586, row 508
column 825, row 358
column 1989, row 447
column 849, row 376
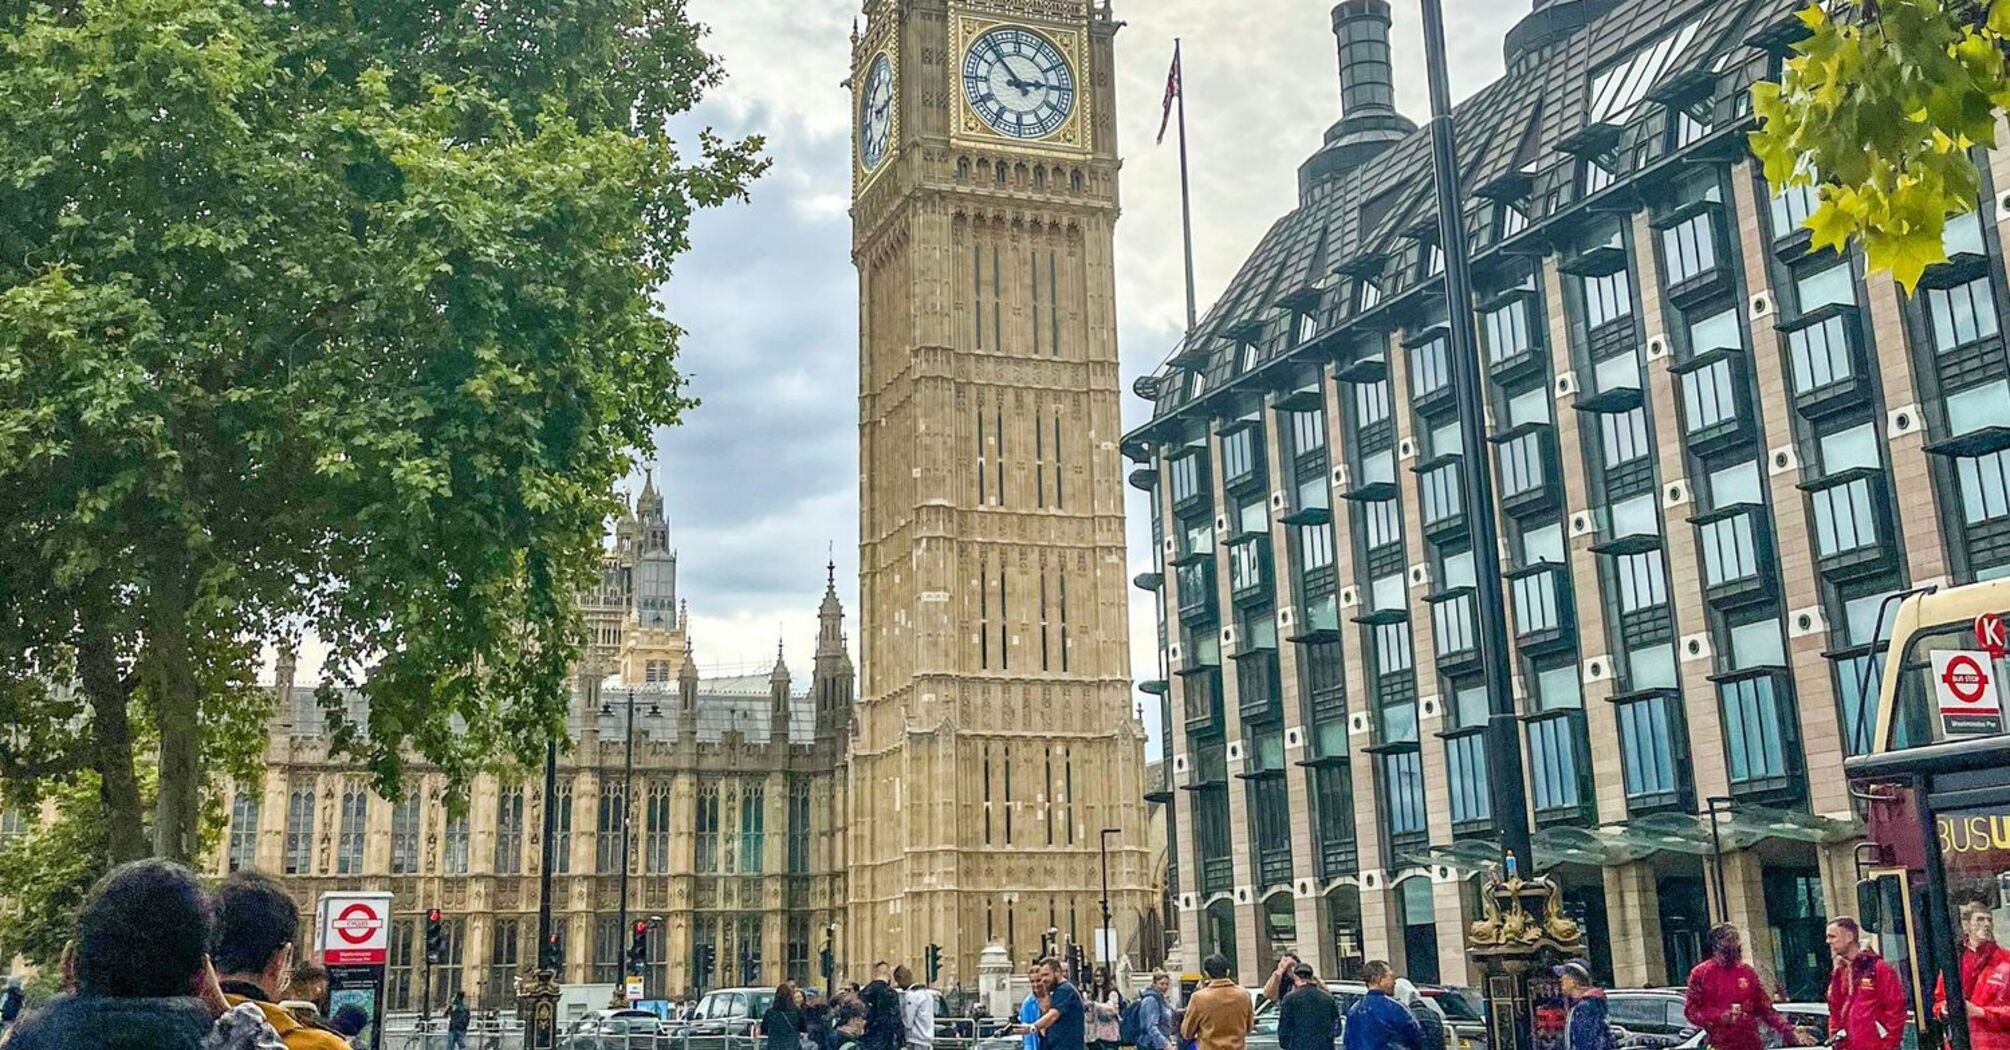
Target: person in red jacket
column 1727, row 1000
column 1866, row 998
column 1985, row 981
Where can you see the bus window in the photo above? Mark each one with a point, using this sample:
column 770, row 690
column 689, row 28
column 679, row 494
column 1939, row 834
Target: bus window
column 1890, row 904
column 1975, row 850
column 1916, row 699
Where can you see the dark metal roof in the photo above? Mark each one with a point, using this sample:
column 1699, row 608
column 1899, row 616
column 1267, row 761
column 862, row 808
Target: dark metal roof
column 1509, row 135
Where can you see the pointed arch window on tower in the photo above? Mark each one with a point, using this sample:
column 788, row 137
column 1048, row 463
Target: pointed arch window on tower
column 1043, row 622
column 1008, row 794
column 509, row 832
column 608, row 830
column 1059, row 466
column 1068, row 794
column 983, row 614
column 799, row 826
column 656, row 853
column 300, row 829
column 1039, row 465
column 983, row 460
column 987, row 794
column 561, row 847
column 707, row 861
column 1063, row 575
column 1047, row 782
column 753, row 831
column 1004, row 623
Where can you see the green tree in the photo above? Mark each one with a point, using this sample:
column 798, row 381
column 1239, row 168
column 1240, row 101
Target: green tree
column 1882, row 107
column 330, row 318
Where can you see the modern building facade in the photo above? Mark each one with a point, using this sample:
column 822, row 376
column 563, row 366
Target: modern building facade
column 734, row 811
column 995, row 735
column 1716, row 453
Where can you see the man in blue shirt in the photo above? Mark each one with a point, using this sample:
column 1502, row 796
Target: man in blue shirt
column 1378, row 1021
column 1060, row 1028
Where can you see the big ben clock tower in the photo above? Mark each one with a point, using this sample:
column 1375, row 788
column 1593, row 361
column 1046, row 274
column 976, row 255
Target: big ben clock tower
column 994, row 737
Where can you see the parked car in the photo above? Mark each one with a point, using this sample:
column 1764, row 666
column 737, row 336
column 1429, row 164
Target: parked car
column 1650, row 1019
column 612, row 1030
column 1465, row 1013
column 723, row 1015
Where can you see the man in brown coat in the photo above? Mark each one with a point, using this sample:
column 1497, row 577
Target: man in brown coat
column 1218, row 1014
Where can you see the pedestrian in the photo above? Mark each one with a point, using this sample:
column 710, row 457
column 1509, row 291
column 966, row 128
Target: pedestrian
column 1866, row 998
column 816, row 1021
column 1727, row 999
column 306, row 995
column 1156, row 1030
column 457, row 1022
column 1106, row 1011
column 1218, row 1014
column 1064, row 1024
column 11, row 1002
column 782, row 1024
column 882, row 1011
column 1586, row 1025
column 1035, row 1005
column 1378, row 1021
column 257, row 931
column 1309, row 1016
column 349, row 1022
column 917, row 1011
column 1985, row 981
column 1282, row 979
column 1436, row 1035
column 141, row 975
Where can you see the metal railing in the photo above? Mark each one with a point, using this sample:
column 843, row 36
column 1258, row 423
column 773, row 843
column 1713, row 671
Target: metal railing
column 507, row 1033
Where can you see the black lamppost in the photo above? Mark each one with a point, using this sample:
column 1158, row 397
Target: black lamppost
column 1504, row 766
column 627, row 802
column 1718, row 804
column 1108, row 952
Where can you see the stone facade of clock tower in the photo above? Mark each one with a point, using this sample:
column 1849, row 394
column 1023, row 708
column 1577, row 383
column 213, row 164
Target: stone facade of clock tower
column 995, row 738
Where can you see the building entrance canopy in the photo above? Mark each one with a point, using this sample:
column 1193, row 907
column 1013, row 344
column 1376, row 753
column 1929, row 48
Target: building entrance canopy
column 1738, row 828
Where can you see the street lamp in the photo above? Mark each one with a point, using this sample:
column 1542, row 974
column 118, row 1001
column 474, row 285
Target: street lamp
column 1108, row 933
column 1503, row 749
column 1717, row 804
column 627, row 800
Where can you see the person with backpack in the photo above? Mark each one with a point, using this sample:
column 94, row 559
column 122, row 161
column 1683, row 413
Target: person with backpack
column 1148, row 1023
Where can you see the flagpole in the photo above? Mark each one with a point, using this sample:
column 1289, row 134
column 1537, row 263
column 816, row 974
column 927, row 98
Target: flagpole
column 1185, row 195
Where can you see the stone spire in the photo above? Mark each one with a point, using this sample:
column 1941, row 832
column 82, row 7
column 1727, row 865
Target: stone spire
column 778, row 695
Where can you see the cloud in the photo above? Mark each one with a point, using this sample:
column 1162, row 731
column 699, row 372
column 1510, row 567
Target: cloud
column 764, row 474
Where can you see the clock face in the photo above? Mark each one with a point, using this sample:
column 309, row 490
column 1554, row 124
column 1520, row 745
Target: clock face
column 1017, row 82
column 875, row 116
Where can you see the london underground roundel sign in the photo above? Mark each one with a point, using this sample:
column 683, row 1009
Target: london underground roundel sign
column 355, row 929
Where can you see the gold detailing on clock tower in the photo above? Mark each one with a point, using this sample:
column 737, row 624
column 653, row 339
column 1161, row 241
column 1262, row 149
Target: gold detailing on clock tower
column 994, row 738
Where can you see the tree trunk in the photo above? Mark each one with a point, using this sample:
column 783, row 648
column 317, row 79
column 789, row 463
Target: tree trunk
column 112, row 750
column 178, row 718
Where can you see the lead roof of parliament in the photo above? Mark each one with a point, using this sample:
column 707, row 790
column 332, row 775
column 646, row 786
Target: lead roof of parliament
column 1515, row 141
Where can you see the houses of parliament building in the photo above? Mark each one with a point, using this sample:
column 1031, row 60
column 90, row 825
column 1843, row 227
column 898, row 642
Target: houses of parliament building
column 733, row 849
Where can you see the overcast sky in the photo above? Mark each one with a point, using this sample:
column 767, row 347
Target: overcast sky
column 762, row 480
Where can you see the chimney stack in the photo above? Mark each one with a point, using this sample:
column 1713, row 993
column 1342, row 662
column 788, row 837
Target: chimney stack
column 1367, row 83
column 1369, row 122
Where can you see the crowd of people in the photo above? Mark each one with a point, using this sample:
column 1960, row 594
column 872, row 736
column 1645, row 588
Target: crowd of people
column 160, row 962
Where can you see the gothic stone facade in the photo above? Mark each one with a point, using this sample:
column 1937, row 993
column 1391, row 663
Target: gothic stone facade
column 735, row 805
column 995, row 735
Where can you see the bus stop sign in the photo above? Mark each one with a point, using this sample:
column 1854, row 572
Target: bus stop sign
column 1965, row 686
column 1989, row 635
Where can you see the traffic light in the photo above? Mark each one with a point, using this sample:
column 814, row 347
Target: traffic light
column 436, row 937
column 932, row 957
column 554, row 953
column 638, row 947
column 828, row 957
